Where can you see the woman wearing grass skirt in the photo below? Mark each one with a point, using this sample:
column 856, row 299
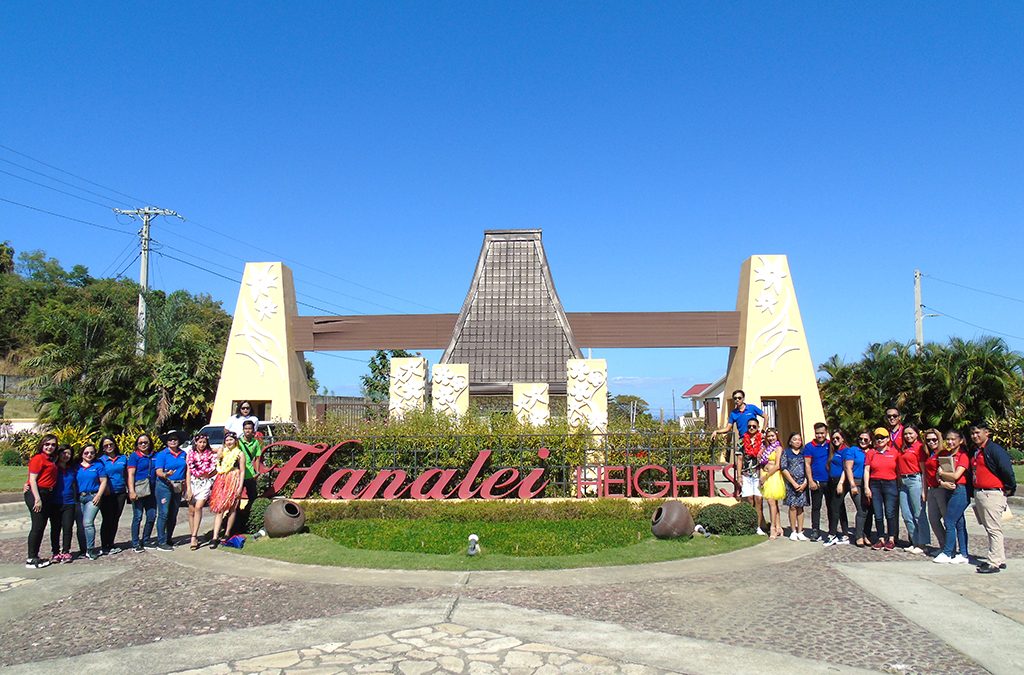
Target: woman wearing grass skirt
column 227, row 486
column 201, row 470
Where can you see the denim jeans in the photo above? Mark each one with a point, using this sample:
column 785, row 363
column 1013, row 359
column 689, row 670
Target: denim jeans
column 147, row 506
column 956, row 526
column 85, row 518
column 885, row 496
column 167, row 503
column 915, row 516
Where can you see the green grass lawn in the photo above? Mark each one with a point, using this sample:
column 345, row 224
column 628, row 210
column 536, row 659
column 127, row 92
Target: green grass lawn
column 18, row 409
column 12, row 478
column 311, row 548
column 1018, row 471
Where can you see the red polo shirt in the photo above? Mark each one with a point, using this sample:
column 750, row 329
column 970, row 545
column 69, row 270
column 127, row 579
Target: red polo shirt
column 896, row 437
column 931, row 469
column 42, row 465
column 910, row 459
column 984, row 479
column 883, row 464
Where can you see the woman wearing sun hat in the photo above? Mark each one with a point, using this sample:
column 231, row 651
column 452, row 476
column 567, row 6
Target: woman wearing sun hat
column 169, row 465
column 881, row 488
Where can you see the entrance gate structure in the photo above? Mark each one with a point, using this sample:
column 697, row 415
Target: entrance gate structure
column 512, row 330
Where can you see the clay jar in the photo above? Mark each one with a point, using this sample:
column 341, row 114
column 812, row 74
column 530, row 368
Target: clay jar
column 672, row 520
column 284, row 517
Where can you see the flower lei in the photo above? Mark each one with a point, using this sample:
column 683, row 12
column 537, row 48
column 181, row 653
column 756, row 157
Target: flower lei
column 766, row 453
column 752, row 445
column 202, row 463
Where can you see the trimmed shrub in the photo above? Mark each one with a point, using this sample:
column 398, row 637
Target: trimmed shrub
column 10, row 457
column 729, row 520
column 256, row 513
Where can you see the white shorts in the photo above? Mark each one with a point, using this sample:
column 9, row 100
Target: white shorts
column 751, row 486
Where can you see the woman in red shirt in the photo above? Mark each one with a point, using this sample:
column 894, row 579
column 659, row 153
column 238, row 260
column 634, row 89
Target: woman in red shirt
column 953, row 479
column 910, row 466
column 42, row 477
column 935, row 497
column 881, row 489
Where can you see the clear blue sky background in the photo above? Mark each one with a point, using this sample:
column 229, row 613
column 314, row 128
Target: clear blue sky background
column 657, row 147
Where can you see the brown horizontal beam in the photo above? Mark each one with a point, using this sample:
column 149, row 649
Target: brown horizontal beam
column 591, row 329
column 655, row 329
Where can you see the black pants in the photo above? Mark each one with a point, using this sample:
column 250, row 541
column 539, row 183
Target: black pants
column 62, row 519
column 243, row 514
column 837, row 507
column 817, row 496
column 38, row 519
column 111, row 507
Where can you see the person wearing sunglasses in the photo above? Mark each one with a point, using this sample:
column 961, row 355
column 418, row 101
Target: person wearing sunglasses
column 881, row 489
column 994, row 481
column 740, row 415
column 91, row 480
column 894, row 423
column 141, row 480
column 935, row 497
column 748, row 467
column 243, row 414
column 115, row 465
column 837, row 491
column 853, row 469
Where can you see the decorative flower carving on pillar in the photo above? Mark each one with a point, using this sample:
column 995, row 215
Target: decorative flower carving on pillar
column 407, row 381
column 448, row 386
column 583, row 408
column 260, row 345
column 772, row 339
column 530, row 403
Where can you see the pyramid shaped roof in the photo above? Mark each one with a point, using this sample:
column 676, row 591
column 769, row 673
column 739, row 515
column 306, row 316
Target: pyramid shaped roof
column 512, row 327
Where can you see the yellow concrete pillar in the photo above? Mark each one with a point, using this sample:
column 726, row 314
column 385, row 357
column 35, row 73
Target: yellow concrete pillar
column 772, row 363
column 587, row 394
column 260, row 364
column 449, row 388
column 530, row 403
column 407, row 391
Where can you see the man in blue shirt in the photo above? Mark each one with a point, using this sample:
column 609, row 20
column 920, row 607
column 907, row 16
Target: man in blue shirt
column 816, row 466
column 740, row 415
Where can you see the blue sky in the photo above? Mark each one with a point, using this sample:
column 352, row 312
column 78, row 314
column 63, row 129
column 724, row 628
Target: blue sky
column 656, row 145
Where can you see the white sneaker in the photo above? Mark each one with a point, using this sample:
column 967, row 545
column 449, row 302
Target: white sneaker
column 960, row 560
column 914, row 549
column 801, row 536
column 793, row 537
column 761, row 532
column 942, row 559
column 843, row 541
column 831, row 541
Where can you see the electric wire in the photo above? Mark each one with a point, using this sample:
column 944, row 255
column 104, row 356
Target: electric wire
column 964, row 321
column 50, row 187
column 214, row 230
column 57, row 180
column 117, row 260
column 61, row 215
column 976, row 290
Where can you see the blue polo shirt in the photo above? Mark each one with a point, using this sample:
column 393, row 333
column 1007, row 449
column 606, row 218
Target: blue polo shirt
column 854, row 453
column 143, row 466
column 116, row 472
column 172, row 464
column 741, row 419
column 66, row 485
column 89, row 477
column 819, row 460
column 835, row 467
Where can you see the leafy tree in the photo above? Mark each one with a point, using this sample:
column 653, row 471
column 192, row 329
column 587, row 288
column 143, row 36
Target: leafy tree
column 6, row 258
column 375, row 385
column 620, row 407
column 942, row 385
column 314, row 384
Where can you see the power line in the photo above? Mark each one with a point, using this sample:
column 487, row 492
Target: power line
column 61, row 215
column 50, row 187
column 117, row 260
column 56, row 180
column 976, row 290
column 73, row 175
column 127, row 265
column 964, row 321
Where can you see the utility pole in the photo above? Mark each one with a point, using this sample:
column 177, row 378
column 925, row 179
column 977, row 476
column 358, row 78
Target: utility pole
column 918, row 312
column 147, row 213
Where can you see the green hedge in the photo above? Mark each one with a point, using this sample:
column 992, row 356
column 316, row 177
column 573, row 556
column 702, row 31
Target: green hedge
column 730, row 520
column 318, row 511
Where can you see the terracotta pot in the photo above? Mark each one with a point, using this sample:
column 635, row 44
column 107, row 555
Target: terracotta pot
column 672, row 520
column 283, row 517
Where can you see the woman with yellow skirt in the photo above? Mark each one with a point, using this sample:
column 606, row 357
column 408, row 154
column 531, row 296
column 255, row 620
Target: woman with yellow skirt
column 773, row 486
column 227, row 486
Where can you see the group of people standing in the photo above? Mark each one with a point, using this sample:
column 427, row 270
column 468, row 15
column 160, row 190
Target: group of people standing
column 928, row 477
column 67, row 492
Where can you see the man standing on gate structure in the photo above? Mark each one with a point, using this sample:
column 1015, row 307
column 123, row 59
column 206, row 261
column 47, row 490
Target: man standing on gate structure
column 740, row 416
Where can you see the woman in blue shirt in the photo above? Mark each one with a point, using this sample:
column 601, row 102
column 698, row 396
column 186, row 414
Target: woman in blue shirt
column 62, row 518
column 115, row 465
column 92, row 483
column 837, row 489
column 170, row 485
column 853, row 467
column 141, row 478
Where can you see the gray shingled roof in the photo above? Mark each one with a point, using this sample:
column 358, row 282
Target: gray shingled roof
column 512, row 327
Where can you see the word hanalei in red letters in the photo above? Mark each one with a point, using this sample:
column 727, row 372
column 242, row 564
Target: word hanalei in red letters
column 309, row 461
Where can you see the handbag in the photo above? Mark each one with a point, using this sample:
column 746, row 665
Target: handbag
column 143, row 488
column 176, row 486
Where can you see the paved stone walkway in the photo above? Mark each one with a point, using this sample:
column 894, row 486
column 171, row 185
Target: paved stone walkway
column 778, row 607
